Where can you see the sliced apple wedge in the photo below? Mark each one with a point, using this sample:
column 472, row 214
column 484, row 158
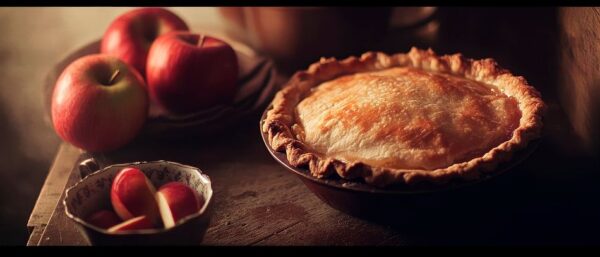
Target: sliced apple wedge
column 177, row 201
column 104, row 219
column 141, row 222
column 132, row 195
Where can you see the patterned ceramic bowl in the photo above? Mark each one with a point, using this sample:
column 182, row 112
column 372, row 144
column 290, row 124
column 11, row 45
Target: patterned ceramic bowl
column 92, row 193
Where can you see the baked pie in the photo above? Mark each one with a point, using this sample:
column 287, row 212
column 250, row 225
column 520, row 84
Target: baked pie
column 403, row 118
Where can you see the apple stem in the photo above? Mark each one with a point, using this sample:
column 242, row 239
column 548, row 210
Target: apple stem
column 201, row 42
column 113, row 77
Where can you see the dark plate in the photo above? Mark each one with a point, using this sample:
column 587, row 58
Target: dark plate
column 357, row 198
column 257, row 84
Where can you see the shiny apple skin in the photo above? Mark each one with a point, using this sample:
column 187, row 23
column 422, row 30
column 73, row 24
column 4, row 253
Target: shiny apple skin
column 189, row 72
column 130, row 35
column 132, row 194
column 97, row 117
column 177, row 201
column 104, row 219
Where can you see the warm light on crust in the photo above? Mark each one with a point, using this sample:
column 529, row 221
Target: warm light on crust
column 403, row 118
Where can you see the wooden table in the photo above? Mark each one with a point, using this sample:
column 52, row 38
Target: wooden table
column 257, row 202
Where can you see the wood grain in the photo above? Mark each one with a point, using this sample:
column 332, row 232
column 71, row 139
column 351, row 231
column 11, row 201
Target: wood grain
column 53, row 186
column 257, row 202
column 60, row 230
column 580, row 73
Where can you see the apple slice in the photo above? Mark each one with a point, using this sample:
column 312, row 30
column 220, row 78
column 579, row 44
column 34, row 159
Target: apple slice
column 132, row 195
column 177, row 201
column 137, row 223
column 104, row 219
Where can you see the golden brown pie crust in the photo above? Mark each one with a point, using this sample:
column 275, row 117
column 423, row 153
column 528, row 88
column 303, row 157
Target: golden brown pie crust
column 285, row 132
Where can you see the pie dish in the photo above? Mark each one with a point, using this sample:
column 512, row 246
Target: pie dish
column 403, row 118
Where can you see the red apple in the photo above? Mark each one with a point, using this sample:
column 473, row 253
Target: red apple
column 188, row 72
column 132, row 195
column 104, row 219
column 137, row 223
column 130, row 35
column 99, row 103
column 177, row 201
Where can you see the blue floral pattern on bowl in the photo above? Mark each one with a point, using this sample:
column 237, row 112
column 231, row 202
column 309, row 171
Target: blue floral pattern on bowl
column 92, row 193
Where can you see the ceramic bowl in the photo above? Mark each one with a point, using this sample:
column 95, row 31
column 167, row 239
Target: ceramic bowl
column 92, row 194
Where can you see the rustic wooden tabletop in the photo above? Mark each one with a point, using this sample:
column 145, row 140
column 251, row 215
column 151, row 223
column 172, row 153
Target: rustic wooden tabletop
column 257, row 202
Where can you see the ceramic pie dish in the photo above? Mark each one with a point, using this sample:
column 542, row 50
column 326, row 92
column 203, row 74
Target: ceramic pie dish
column 408, row 118
column 402, row 203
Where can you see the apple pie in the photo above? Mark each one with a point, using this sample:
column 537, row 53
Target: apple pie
column 403, row 118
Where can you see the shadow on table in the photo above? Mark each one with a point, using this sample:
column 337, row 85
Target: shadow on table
column 547, row 200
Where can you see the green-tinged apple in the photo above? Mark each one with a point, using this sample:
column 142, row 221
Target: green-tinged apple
column 137, row 223
column 104, row 219
column 132, row 194
column 130, row 35
column 187, row 72
column 177, row 201
column 99, row 103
